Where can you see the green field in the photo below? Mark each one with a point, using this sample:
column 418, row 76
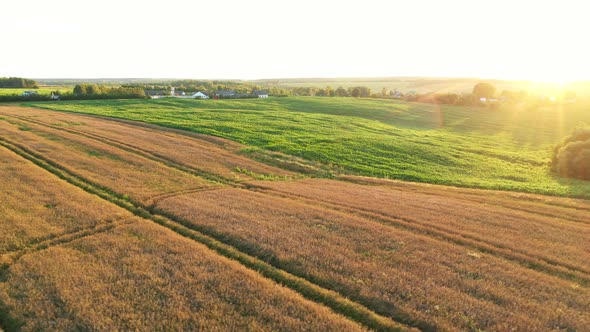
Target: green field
column 44, row 90
column 506, row 149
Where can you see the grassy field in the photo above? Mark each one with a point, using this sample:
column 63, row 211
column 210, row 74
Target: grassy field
column 386, row 254
column 507, row 149
column 43, row 90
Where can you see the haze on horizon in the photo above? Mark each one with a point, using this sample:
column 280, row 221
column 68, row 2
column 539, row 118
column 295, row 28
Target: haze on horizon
column 530, row 40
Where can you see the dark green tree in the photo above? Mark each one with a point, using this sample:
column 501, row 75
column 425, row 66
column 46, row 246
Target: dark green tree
column 484, row 90
column 341, row 92
column 330, row 92
column 571, row 157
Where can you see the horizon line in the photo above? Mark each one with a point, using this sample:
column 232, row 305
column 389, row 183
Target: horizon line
column 308, row 78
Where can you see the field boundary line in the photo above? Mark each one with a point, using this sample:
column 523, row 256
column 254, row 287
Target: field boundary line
column 187, row 131
column 538, row 264
column 494, row 203
column 231, row 181
column 220, row 179
column 182, row 132
column 331, row 299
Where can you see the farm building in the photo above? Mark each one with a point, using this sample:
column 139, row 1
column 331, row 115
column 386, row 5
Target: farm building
column 260, row 93
column 196, row 95
column 199, row 95
column 155, row 94
column 177, row 93
column 224, row 93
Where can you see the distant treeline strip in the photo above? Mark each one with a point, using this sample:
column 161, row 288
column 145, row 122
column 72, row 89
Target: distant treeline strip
column 17, row 82
column 104, row 90
column 83, row 92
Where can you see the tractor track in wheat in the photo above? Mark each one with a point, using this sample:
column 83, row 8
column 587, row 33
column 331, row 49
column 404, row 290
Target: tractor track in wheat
column 538, row 263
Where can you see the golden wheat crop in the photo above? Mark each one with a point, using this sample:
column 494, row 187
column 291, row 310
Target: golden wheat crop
column 563, row 240
column 37, row 206
column 409, row 276
column 116, row 169
column 144, row 277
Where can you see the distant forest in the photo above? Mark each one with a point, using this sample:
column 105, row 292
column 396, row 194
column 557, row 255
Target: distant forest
column 17, row 82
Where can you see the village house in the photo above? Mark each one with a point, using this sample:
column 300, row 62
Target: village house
column 175, row 93
column 224, row 93
column 260, row 93
column 196, row 95
column 199, row 95
column 155, row 94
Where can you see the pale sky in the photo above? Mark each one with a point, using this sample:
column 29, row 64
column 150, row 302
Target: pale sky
column 507, row 39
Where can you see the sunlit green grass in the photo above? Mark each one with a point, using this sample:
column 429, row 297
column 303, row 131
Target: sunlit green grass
column 506, row 149
column 41, row 91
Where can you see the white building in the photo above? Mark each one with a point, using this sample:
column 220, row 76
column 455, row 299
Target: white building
column 199, row 95
column 260, row 93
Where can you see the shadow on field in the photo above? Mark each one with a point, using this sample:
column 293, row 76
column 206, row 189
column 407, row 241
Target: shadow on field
column 7, row 322
column 409, row 115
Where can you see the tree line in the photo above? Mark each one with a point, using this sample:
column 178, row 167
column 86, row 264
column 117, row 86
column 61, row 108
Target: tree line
column 245, row 87
column 82, row 92
column 208, row 87
column 17, row 82
column 108, row 92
